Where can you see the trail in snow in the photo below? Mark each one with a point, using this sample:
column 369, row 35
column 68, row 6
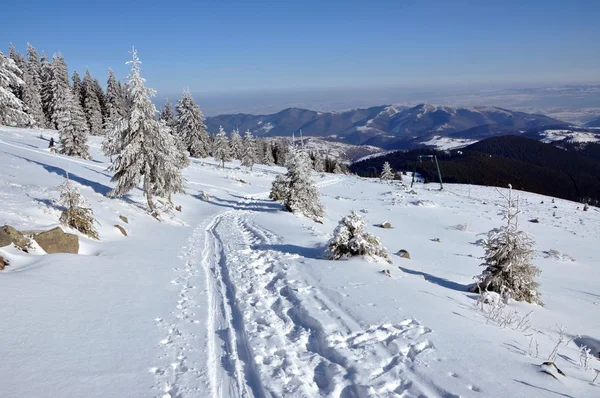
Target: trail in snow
column 271, row 336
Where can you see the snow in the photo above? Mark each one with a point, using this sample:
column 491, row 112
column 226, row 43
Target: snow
column 233, row 297
column 445, row 143
column 570, row 136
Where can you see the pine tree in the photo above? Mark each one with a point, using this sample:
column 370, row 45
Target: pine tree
column 167, row 115
column 295, row 189
column 237, row 145
column 46, row 89
column 249, row 156
column 221, row 150
column 12, row 110
column 144, row 147
column 114, row 101
column 91, row 105
column 190, row 127
column 350, row 238
column 508, row 259
column 72, row 127
column 77, row 213
column 386, row 172
column 33, row 85
column 59, row 87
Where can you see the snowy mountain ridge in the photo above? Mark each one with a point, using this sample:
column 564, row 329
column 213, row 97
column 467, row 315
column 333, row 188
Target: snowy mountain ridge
column 233, row 297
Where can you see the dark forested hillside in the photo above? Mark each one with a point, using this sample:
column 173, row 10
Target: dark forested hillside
column 527, row 164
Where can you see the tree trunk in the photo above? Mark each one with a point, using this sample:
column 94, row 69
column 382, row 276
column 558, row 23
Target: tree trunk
column 147, row 191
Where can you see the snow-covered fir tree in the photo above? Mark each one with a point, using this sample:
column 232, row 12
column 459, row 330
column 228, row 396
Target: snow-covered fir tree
column 296, row 189
column 12, row 110
column 508, row 259
column 167, row 115
column 101, row 98
column 144, row 148
column 350, row 238
column 59, row 87
column 77, row 214
column 221, row 149
column 190, row 127
column 22, row 66
column 32, row 90
column 260, row 150
column 319, row 163
column 387, row 173
column 249, row 155
column 268, row 158
column 91, row 105
column 337, row 169
column 77, row 88
column 115, row 106
column 72, row 127
column 237, row 145
column 46, row 89
column 281, row 150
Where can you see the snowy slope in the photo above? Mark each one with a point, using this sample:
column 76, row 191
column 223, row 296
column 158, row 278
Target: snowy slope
column 231, row 297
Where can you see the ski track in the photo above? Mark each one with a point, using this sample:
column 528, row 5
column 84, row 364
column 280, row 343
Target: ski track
column 271, row 336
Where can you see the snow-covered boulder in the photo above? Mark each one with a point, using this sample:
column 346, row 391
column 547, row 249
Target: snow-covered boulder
column 57, row 241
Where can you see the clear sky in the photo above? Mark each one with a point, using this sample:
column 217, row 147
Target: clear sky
column 265, row 45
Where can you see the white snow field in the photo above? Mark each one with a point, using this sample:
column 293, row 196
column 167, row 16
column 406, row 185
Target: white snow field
column 233, row 298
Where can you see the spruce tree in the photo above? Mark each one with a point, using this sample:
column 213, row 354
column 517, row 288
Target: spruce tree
column 268, row 154
column 281, row 151
column 221, row 150
column 144, row 147
column 237, row 145
column 46, row 89
column 77, row 213
column 33, row 87
column 337, row 169
column 91, row 105
column 260, row 150
column 295, row 189
column 59, row 87
column 167, row 115
column 12, row 110
column 97, row 88
column 114, row 101
column 21, row 65
column 319, row 163
column 249, row 155
column 190, row 127
column 387, row 173
column 508, row 259
column 72, row 127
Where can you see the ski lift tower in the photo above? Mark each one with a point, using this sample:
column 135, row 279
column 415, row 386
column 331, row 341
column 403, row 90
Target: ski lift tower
column 433, row 159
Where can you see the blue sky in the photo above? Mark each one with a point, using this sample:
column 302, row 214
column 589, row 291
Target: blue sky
column 230, row 46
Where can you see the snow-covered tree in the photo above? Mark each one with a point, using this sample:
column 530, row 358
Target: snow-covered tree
column 337, row 169
column 32, row 89
column 144, row 147
column 508, row 259
column 22, row 66
column 97, row 88
column 72, row 127
column 296, row 189
column 59, row 87
column 237, row 145
column 221, row 150
column 281, row 150
column 260, row 150
column 249, row 155
column 190, row 127
column 350, row 238
column 319, row 163
column 46, row 89
column 12, row 110
column 77, row 213
column 268, row 154
column 115, row 106
column 77, row 88
column 167, row 115
column 387, row 173
column 91, row 105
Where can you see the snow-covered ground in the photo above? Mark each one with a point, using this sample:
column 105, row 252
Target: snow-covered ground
column 232, row 297
column 445, row 143
column 575, row 137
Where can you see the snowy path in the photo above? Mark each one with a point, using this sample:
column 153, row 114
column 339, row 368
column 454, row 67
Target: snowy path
column 267, row 335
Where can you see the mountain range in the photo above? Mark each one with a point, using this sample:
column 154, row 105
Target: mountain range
column 387, row 126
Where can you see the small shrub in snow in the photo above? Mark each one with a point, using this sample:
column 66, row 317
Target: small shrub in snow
column 350, row 239
column 508, row 260
column 77, row 215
